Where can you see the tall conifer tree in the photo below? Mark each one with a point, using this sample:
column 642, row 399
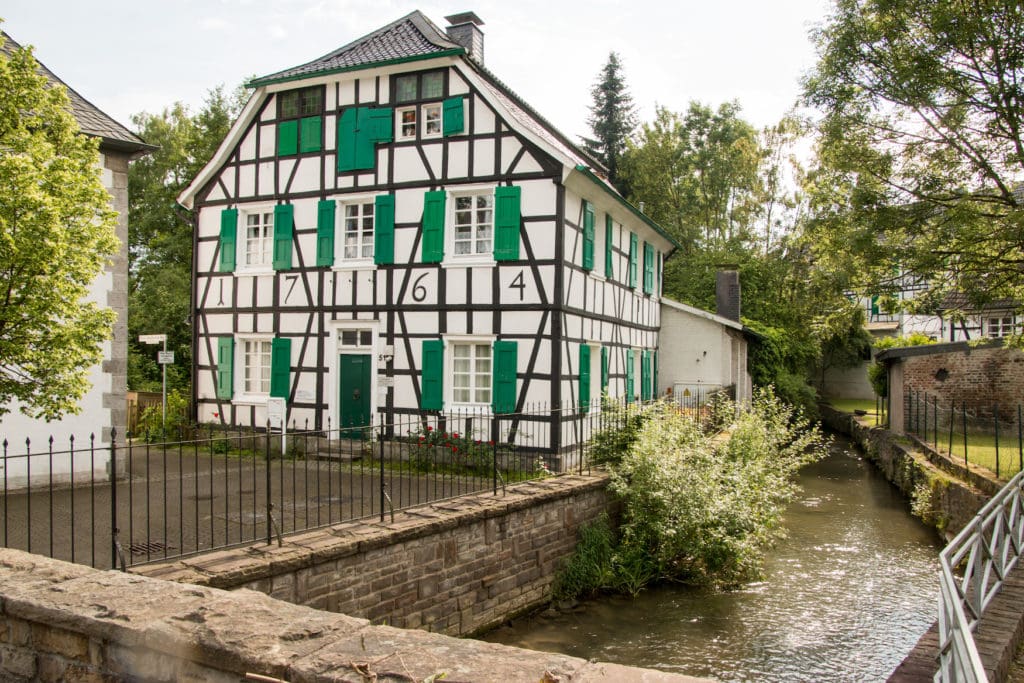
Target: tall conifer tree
column 612, row 117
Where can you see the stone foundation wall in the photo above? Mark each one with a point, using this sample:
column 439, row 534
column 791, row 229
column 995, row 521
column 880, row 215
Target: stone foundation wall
column 456, row 567
column 64, row 622
column 914, row 470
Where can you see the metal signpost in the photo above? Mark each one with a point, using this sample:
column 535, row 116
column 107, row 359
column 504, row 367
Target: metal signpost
column 276, row 418
column 164, row 358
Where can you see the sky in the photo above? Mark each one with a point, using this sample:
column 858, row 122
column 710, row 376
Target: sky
column 143, row 55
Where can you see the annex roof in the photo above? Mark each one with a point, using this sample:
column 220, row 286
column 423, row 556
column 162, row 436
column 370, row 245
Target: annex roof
column 91, row 119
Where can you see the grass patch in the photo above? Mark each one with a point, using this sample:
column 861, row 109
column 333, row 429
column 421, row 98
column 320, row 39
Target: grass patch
column 981, row 450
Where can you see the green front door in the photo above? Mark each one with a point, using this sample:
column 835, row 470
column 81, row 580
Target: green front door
column 354, row 374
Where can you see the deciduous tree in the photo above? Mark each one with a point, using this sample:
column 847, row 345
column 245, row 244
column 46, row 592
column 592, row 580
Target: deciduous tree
column 56, row 235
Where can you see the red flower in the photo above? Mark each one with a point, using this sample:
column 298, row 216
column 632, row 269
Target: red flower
column 477, row 442
column 423, row 438
column 455, row 449
column 455, row 435
column 430, row 429
column 490, row 443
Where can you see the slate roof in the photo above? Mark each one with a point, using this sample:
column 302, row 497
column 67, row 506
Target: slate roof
column 90, row 119
column 413, row 36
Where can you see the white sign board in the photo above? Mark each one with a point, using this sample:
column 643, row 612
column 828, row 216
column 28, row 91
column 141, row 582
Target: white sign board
column 152, row 338
column 385, row 382
column 275, row 412
column 165, row 357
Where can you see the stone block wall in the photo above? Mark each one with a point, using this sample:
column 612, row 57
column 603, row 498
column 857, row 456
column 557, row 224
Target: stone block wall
column 456, row 567
column 64, row 622
column 980, row 376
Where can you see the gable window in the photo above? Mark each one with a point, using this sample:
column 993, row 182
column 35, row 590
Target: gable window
column 431, row 120
column 299, row 120
column 1000, row 326
column 421, row 118
column 474, row 224
column 424, row 85
column 407, row 123
column 259, row 238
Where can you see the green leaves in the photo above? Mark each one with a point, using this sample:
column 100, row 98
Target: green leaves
column 56, row 236
column 612, row 117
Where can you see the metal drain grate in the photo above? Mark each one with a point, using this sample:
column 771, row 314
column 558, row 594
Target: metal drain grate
column 150, row 548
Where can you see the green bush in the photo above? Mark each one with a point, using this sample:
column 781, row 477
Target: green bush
column 151, row 426
column 877, row 374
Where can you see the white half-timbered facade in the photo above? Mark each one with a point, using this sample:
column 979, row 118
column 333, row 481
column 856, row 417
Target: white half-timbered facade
column 389, row 230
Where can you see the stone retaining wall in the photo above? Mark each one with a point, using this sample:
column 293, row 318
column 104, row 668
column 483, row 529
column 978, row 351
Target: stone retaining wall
column 456, row 567
column 65, row 622
column 915, row 469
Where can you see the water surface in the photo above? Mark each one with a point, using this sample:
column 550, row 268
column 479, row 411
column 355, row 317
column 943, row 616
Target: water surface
column 845, row 597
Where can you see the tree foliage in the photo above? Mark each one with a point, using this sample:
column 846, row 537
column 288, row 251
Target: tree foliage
column 57, row 232
column 160, row 248
column 921, row 145
column 612, row 117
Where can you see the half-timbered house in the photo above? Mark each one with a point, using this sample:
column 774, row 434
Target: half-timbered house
column 389, row 229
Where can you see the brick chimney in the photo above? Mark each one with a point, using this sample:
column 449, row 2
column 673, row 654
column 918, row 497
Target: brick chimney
column 464, row 29
column 727, row 293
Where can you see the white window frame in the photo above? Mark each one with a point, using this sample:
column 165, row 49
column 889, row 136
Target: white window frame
column 450, row 342
column 451, row 258
column 1004, row 325
column 251, row 397
column 359, row 262
column 400, row 133
column 425, row 111
column 242, row 246
column 421, row 122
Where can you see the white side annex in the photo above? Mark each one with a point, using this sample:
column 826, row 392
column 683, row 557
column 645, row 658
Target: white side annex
column 103, row 406
column 381, row 236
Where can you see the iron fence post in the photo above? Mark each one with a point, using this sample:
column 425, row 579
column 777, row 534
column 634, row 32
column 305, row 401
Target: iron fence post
column 963, row 409
column 113, row 497
column 270, row 530
column 494, row 454
column 1020, row 440
column 995, row 424
column 383, row 484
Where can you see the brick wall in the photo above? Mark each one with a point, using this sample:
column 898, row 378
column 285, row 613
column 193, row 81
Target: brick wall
column 454, row 567
column 64, row 622
column 979, row 376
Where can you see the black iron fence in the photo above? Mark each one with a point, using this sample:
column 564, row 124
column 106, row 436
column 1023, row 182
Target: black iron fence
column 984, row 433
column 154, row 496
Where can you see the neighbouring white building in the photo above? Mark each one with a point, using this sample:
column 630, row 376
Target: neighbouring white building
column 103, row 407
column 389, row 231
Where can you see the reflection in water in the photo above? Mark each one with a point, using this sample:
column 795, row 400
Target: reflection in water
column 845, row 597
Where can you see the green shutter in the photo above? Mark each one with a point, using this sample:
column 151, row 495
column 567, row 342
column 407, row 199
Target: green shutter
column 648, row 268
column 381, row 122
column 630, row 371
column 874, row 305
column 283, row 228
column 506, row 365
column 604, row 369
column 658, row 274
column 347, row 140
column 384, row 229
column 287, row 137
column 654, row 375
column 588, row 236
column 225, row 367
column 507, row 218
column 280, row 367
column 584, row 377
column 366, row 139
column 228, row 239
column 325, row 227
column 452, row 116
column 433, row 226
column 431, row 379
column 633, row 256
column 645, row 375
column 309, row 135
column 608, row 252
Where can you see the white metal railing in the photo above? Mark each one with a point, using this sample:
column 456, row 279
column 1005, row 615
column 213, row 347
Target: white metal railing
column 988, row 549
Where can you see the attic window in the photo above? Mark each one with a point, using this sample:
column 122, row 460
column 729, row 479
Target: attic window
column 299, row 125
column 426, row 85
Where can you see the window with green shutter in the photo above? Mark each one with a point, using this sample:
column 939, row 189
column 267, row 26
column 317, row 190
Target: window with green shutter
column 588, row 236
column 280, row 367
column 630, row 372
column 604, row 369
column 228, row 239
column 453, row 117
column 507, row 218
column 654, row 374
column 325, row 225
column 506, row 366
column 633, row 257
column 433, row 226
column 432, row 375
column 609, row 261
column 648, row 268
column 300, row 120
column 225, row 368
column 283, row 230
column 359, row 131
column 645, row 375
column 384, row 229
column 584, row 377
